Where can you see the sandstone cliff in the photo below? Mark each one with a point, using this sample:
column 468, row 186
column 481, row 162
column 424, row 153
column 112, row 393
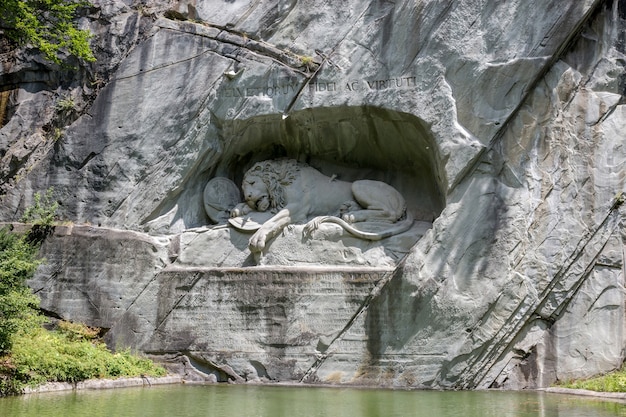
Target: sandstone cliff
column 502, row 123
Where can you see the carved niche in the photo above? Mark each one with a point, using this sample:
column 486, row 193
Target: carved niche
column 282, row 194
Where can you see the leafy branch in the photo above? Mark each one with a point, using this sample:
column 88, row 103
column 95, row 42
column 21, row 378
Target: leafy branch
column 48, row 25
column 43, row 211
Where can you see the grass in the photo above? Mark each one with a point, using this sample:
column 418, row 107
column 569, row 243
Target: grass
column 611, row 382
column 71, row 353
column 66, row 105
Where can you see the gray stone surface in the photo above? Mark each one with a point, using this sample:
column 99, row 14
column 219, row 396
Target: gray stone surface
column 104, row 384
column 94, row 275
column 501, row 123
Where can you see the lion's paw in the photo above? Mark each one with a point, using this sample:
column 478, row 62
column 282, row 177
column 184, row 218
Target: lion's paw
column 257, row 241
column 348, row 218
column 311, row 226
column 239, row 210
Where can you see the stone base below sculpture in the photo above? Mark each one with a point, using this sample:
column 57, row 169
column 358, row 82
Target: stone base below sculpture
column 269, row 323
column 329, row 245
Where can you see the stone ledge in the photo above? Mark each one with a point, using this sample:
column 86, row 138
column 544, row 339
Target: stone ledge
column 104, row 384
column 282, row 268
column 586, row 393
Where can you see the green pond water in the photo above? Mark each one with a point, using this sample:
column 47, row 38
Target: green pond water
column 263, row 401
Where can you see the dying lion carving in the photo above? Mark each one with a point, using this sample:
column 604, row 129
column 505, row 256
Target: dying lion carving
column 296, row 192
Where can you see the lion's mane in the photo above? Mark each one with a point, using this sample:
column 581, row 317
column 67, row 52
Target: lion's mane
column 276, row 174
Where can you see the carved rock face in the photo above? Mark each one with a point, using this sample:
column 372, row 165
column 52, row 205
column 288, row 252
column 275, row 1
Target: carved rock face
column 501, row 120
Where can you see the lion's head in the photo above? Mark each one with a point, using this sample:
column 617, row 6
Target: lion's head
column 256, row 192
column 263, row 184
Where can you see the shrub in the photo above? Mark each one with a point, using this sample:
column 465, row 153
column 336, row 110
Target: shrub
column 611, row 382
column 43, row 210
column 40, row 356
column 66, row 105
column 77, row 331
column 18, row 306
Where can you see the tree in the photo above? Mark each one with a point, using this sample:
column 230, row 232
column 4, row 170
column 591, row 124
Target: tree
column 18, row 306
column 48, row 25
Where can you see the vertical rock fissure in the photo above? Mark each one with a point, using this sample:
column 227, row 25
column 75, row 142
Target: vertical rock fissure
column 4, row 100
column 499, row 346
column 306, row 82
column 194, row 281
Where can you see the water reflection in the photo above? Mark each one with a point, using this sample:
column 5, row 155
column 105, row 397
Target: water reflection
column 248, row 401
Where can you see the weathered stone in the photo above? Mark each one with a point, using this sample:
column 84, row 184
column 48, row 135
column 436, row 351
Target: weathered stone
column 96, row 274
column 104, row 384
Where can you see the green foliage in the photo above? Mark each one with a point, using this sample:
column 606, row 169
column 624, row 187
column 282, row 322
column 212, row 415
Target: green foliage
column 57, row 134
column 611, row 382
column 40, row 356
column 18, row 306
column 66, row 105
column 77, row 331
column 47, row 25
column 308, row 63
column 43, row 211
column 306, row 60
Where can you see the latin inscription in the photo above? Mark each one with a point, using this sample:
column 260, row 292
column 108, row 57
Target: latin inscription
column 291, row 88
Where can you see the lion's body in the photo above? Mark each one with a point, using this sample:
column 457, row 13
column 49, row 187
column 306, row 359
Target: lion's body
column 298, row 192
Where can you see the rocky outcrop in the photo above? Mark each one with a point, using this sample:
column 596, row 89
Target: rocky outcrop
column 500, row 123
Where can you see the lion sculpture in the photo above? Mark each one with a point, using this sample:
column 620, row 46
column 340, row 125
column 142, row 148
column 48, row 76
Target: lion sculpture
column 296, row 192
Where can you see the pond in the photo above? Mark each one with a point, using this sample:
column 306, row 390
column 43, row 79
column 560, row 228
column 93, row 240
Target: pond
column 264, row 401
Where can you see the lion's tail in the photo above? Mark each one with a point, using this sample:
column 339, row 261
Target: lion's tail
column 397, row 228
